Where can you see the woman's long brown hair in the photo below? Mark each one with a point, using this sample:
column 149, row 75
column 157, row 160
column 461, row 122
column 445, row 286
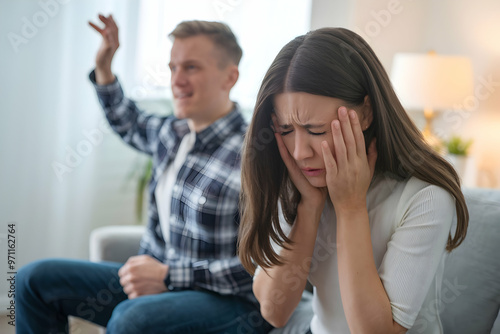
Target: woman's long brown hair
column 338, row 63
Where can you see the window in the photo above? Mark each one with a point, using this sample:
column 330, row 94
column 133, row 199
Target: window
column 262, row 28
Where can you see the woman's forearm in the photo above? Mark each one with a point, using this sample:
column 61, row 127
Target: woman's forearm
column 366, row 305
column 280, row 289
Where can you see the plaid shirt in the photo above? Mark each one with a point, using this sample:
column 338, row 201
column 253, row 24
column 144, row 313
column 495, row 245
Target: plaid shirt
column 204, row 214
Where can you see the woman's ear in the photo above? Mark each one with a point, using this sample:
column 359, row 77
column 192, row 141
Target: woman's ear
column 367, row 113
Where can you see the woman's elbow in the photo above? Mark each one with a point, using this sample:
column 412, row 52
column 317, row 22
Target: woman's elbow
column 273, row 314
column 272, row 310
column 275, row 308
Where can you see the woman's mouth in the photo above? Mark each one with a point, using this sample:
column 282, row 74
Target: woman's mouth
column 313, row 171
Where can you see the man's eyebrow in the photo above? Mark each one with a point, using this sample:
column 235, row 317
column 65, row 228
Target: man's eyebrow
column 185, row 62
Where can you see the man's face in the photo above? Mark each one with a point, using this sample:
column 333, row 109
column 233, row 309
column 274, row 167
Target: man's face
column 199, row 86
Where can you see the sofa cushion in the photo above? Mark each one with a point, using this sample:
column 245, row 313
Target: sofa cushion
column 471, row 283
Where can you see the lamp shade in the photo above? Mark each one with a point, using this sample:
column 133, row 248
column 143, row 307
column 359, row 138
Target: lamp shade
column 431, row 81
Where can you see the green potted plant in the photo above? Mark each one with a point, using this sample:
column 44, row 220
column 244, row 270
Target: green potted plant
column 457, row 151
column 458, row 146
column 140, row 174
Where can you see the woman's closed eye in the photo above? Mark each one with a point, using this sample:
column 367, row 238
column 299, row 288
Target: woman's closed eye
column 316, row 133
column 284, row 133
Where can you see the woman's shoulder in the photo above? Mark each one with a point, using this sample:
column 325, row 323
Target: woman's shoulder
column 403, row 194
column 407, row 187
column 421, row 196
column 415, row 186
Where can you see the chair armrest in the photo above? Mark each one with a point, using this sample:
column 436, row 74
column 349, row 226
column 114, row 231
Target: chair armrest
column 115, row 243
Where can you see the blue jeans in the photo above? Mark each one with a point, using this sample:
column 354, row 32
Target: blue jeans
column 47, row 291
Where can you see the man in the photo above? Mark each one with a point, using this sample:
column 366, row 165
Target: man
column 187, row 278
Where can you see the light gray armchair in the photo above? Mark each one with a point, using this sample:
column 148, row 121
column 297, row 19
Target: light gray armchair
column 109, row 243
column 115, row 243
column 472, row 271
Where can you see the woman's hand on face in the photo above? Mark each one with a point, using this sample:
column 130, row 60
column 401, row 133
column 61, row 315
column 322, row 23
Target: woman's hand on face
column 312, row 196
column 349, row 174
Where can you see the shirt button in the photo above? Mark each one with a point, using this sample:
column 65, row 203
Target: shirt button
column 176, row 187
column 202, row 200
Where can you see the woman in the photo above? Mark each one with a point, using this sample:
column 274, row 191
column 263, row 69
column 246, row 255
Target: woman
column 347, row 194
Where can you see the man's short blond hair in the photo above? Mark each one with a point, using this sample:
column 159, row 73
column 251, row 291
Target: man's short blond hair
column 218, row 32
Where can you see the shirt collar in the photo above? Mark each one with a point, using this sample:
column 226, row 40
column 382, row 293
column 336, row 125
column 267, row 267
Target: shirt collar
column 218, row 131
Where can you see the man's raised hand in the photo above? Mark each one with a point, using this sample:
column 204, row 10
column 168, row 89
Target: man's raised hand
column 109, row 45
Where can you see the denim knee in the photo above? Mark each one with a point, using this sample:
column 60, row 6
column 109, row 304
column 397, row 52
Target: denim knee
column 128, row 318
column 29, row 275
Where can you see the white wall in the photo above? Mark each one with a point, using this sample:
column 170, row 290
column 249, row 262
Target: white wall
column 36, row 129
column 48, row 108
column 47, row 105
column 463, row 27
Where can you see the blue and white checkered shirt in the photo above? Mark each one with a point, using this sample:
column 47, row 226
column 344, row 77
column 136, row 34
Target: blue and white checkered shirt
column 204, row 215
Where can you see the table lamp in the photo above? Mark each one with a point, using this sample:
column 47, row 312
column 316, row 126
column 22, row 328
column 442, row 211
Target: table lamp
column 431, row 82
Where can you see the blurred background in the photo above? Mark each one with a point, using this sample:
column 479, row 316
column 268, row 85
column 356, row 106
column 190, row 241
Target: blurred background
column 63, row 173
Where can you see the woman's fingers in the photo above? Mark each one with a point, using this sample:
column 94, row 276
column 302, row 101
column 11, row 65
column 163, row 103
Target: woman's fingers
column 339, row 144
column 330, row 164
column 347, row 134
column 357, row 132
column 352, row 135
column 372, row 156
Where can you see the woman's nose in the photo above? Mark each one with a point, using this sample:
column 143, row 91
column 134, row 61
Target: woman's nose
column 302, row 149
